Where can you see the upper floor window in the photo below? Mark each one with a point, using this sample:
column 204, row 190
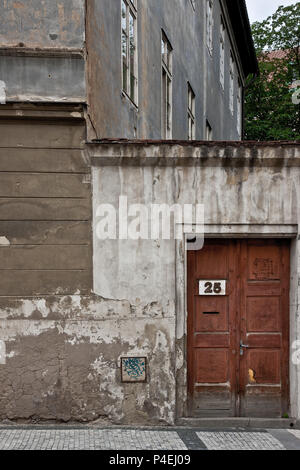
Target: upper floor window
column 222, row 52
column 129, row 49
column 231, row 83
column 166, row 59
column 209, row 25
column 193, row 2
column 239, row 108
column 191, row 113
column 208, row 131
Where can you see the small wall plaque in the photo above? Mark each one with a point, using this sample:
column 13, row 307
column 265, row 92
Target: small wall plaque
column 212, row 287
column 133, row 369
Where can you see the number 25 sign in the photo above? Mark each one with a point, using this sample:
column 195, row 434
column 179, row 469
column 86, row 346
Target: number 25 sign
column 212, row 287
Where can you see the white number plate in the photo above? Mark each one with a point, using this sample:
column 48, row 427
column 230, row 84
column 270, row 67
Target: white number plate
column 212, row 287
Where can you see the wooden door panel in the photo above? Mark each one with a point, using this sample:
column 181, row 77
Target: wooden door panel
column 263, row 262
column 263, row 314
column 263, row 289
column 211, row 314
column 264, row 328
column 212, row 366
column 264, row 402
column 263, row 366
column 254, row 312
column 213, row 261
column 211, row 339
column 210, row 401
column 269, row 341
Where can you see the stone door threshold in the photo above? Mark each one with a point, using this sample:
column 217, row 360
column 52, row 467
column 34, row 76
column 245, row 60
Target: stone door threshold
column 245, row 423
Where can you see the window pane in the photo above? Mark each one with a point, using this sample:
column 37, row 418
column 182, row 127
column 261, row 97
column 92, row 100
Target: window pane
column 125, row 72
column 166, row 51
column 209, row 24
column 169, row 104
column 124, row 60
column 124, row 21
column 131, row 27
column 132, row 56
column 164, row 104
column 132, row 87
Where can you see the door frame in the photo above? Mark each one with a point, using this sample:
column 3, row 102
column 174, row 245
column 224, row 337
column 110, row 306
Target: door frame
column 234, row 231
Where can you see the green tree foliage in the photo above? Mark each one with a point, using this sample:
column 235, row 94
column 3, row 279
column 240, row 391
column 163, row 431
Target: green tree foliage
column 270, row 111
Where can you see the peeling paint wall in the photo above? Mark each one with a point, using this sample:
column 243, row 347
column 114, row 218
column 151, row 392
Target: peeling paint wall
column 247, row 190
column 65, row 366
column 61, row 348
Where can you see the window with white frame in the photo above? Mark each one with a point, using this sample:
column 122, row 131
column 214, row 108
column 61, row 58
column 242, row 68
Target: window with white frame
column 166, row 54
column 209, row 25
column 239, row 108
column 208, row 131
column 129, row 49
column 191, row 114
column 222, row 52
column 231, row 83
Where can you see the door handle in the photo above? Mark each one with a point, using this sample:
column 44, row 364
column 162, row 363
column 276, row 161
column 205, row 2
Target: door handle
column 242, row 347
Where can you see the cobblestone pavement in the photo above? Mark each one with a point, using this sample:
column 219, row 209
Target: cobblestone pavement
column 296, row 433
column 240, row 441
column 162, row 439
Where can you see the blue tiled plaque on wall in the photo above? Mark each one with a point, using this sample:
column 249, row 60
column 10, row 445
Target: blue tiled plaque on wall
column 133, row 369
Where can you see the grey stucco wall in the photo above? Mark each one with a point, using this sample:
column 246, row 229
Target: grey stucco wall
column 41, row 50
column 114, row 115
column 27, row 26
column 43, row 78
column 49, row 23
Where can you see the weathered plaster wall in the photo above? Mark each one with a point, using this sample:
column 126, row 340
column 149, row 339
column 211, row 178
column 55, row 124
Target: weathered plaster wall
column 43, row 77
column 60, row 345
column 63, row 361
column 50, row 23
column 41, row 50
column 248, row 190
column 60, row 352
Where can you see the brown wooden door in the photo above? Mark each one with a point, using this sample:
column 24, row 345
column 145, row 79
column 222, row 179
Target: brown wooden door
column 238, row 339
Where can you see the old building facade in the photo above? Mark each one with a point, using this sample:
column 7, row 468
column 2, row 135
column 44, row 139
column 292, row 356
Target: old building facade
column 141, row 69
column 117, row 330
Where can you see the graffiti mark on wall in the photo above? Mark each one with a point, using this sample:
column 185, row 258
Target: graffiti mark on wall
column 133, row 369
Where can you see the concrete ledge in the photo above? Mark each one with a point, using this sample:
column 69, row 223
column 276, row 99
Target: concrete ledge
column 43, row 79
column 225, row 423
column 190, row 162
column 13, row 51
column 251, row 231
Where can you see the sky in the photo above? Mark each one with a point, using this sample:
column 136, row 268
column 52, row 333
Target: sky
column 259, row 10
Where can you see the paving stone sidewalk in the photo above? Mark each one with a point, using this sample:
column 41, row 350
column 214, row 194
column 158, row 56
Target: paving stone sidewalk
column 174, row 439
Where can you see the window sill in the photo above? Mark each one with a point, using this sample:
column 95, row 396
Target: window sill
column 210, row 52
column 127, row 97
